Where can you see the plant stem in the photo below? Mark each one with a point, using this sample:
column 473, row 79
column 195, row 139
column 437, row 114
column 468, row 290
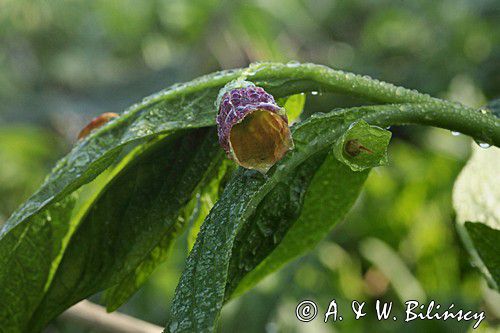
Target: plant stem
column 312, row 77
column 95, row 317
column 288, row 79
column 482, row 127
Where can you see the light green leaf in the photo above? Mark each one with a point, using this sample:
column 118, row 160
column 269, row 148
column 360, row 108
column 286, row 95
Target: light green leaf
column 294, row 105
column 476, row 195
column 363, row 146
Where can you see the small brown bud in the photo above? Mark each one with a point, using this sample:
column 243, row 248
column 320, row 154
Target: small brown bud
column 354, row 148
column 96, row 123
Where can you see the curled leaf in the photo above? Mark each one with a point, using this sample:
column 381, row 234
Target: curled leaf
column 363, row 146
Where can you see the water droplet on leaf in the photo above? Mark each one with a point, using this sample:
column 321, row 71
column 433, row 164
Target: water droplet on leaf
column 484, row 145
column 293, row 63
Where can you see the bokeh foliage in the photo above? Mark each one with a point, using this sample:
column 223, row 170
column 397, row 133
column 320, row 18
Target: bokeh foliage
column 61, row 62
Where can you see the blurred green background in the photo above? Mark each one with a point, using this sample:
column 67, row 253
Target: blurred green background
column 63, row 62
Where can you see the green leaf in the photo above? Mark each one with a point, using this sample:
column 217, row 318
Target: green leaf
column 486, row 242
column 170, row 111
column 53, row 216
column 363, row 146
column 278, row 197
column 251, row 198
column 276, row 213
column 117, row 242
column 294, row 105
column 174, row 109
column 26, row 270
column 205, row 199
column 476, row 195
column 330, row 195
column 120, row 293
column 117, row 295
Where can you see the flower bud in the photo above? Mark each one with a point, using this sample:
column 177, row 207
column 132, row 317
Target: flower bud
column 96, row 123
column 252, row 128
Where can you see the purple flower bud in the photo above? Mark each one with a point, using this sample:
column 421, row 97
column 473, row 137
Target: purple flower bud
column 252, row 128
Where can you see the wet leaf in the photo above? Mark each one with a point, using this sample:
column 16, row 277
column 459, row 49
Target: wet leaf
column 332, row 191
column 43, row 241
column 363, row 146
column 258, row 211
column 129, row 228
column 486, row 241
column 205, row 199
column 88, row 168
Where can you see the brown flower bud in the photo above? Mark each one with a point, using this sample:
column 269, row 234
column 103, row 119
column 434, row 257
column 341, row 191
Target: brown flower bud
column 96, row 123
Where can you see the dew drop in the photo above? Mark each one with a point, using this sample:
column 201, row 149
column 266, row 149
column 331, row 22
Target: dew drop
column 454, row 133
column 218, row 75
column 400, row 91
column 314, row 93
column 350, row 76
column 484, row 145
column 293, row 63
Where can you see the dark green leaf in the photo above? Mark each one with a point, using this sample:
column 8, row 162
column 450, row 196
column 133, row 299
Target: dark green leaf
column 120, row 234
column 205, row 199
column 34, row 250
column 54, row 213
column 160, row 115
column 277, row 197
column 117, row 295
column 330, row 195
column 486, row 242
